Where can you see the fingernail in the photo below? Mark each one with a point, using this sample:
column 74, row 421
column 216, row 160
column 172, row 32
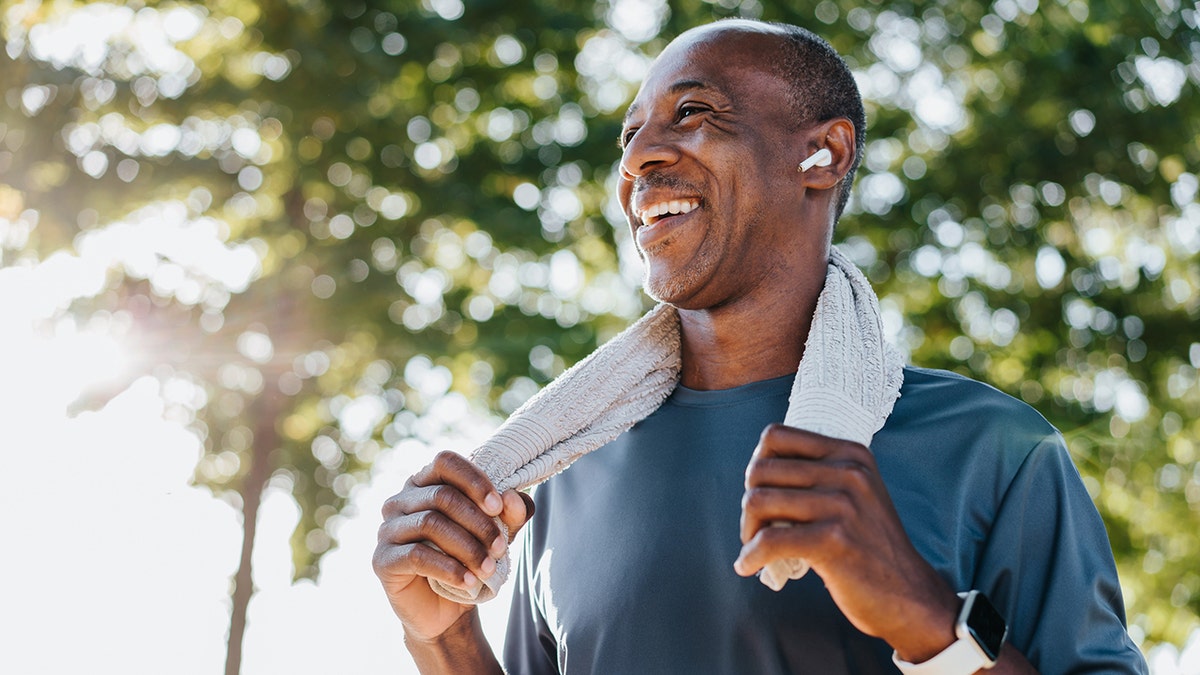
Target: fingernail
column 488, row 567
column 499, row 546
column 492, row 503
column 470, row 580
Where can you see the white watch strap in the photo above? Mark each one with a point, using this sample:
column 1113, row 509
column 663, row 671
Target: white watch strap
column 961, row 658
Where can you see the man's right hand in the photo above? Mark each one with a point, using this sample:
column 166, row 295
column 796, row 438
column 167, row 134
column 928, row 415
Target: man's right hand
column 449, row 503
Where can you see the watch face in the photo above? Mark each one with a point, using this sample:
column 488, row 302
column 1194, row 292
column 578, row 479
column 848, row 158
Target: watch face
column 987, row 626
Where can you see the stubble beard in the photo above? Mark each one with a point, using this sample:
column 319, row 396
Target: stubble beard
column 681, row 285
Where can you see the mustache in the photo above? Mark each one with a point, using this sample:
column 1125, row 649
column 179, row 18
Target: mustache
column 659, row 180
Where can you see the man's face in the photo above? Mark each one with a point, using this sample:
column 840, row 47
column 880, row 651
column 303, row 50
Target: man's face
column 708, row 171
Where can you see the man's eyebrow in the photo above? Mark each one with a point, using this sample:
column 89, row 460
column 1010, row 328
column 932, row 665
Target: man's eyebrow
column 675, row 88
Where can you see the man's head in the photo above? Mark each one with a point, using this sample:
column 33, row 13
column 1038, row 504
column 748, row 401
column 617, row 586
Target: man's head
column 822, row 88
column 711, row 149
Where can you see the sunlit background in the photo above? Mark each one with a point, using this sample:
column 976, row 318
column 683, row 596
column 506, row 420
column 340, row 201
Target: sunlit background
column 261, row 261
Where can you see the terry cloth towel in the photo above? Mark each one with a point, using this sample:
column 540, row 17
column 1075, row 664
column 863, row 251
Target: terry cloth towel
column 847, row 382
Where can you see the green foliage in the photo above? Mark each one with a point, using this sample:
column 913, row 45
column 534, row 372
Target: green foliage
column 426, row 188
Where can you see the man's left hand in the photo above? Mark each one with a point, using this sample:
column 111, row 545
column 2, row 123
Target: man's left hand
column 843, row 523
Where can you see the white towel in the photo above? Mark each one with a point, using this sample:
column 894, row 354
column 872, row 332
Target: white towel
column 848, row 380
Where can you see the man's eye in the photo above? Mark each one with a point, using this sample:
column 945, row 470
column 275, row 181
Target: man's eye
column 689, row 110
column 628, row 136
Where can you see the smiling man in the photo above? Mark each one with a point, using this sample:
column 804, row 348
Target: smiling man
column 953, row 536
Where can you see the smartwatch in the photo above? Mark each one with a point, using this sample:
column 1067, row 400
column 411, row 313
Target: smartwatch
column 981, row 632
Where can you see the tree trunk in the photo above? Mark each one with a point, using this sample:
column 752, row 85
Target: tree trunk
column 266, row 411
column 265, row 441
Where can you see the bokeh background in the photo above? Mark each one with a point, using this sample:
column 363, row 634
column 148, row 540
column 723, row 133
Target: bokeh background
column 260, row 260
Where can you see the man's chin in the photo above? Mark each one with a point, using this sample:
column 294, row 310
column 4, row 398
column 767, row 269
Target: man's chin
column 680, row 289
column 658, row 289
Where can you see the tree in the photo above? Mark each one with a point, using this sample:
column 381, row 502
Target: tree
column 281, row 128
column 414, row 200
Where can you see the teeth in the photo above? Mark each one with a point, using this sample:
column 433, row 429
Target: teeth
column 672, row 207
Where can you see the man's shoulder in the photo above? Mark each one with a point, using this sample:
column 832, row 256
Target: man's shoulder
column 952, row 440
column 941, row 400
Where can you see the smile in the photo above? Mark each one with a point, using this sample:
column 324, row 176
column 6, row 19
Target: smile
column 655, row 212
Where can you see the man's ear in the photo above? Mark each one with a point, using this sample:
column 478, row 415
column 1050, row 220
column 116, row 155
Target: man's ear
column 822, row 173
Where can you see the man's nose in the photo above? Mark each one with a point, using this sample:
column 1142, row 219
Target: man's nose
column 648, row 149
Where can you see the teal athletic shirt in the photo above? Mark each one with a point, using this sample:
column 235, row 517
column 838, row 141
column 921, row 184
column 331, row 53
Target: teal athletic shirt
column 628, row 563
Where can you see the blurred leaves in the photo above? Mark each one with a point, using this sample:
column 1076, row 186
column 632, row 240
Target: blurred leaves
column 399, row 213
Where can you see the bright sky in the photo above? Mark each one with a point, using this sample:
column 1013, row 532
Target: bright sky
column 115, row 564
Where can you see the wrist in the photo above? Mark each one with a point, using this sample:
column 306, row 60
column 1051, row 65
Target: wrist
column 461, row 648
column 929, row 630
column 461, row 628
column 980, row 634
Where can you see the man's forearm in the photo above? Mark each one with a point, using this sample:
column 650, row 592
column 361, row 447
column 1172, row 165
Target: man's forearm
column 462, row 649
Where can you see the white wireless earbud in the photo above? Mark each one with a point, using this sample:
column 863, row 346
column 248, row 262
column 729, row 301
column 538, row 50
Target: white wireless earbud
column 821, row 157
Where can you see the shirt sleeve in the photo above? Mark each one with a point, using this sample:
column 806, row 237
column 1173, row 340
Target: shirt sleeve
column 529, row 647
column 1047, row 565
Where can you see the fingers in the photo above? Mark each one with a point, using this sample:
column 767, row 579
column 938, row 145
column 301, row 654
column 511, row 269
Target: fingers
column 784, row 482
column 775, row 543
column 450, row 536
column 405, row 539
column 442, row 525
column 764, row 506
column 416, row 560
column 453, row 486
column 820, row 486
column 444, row 499
column 450, row 468
column 798, row 473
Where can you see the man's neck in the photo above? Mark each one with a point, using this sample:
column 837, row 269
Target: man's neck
column 744, row 342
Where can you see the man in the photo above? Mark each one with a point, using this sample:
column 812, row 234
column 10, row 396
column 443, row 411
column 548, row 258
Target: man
column 643, row 553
